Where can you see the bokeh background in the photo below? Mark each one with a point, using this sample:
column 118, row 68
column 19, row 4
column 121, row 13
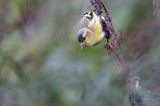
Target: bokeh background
column 42, row 64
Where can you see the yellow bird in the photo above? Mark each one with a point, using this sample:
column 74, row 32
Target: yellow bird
column 90, row 31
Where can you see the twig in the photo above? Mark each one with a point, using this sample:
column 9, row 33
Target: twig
column 113, row 46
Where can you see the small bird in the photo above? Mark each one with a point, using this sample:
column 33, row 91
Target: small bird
column 90, row 31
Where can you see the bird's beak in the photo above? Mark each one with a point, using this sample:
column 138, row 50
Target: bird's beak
column 82, row 45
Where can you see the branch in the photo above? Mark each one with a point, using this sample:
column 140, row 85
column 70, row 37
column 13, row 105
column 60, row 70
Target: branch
column 113, row 46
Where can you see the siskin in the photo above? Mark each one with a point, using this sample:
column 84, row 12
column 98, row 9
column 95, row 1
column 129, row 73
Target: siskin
column 90, row 31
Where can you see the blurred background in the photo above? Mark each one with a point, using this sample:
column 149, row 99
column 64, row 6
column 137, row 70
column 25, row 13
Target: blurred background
column 42, row 64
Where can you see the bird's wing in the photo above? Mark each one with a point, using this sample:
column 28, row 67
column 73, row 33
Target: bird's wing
column 84, row 22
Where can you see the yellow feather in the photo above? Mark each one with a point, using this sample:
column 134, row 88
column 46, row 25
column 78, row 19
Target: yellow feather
column 88, row 40
column 96, row 33
column 97, row 29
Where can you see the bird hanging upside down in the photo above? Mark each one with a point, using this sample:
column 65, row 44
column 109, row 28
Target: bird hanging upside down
column 91, row 29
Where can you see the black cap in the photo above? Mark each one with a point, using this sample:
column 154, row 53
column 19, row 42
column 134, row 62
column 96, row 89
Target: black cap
column 81, row 38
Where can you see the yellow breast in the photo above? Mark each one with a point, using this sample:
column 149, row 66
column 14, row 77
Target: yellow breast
column 98, row 34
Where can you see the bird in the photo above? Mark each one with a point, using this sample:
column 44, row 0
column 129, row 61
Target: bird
column 91, row 29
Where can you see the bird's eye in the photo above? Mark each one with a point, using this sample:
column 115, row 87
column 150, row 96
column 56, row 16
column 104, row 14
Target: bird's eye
column 81, row 39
